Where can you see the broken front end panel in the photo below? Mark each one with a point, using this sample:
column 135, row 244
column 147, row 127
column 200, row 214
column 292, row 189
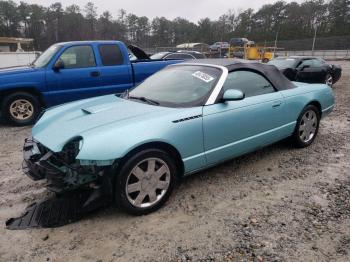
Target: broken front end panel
column 81, row 188
column 62, row 170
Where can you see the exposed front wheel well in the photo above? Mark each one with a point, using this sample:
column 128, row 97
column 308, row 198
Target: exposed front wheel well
column 30, row 90
column 163, row 146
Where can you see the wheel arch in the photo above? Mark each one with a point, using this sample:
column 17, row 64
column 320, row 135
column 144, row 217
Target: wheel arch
column 158, row 145
column 30, row 90
column 316, row 104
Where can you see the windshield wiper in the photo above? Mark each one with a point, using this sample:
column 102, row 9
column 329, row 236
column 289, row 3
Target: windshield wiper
column 144, row 99
column 124, row 95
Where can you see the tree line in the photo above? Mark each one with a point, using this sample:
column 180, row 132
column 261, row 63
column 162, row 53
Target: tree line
column 55, row 23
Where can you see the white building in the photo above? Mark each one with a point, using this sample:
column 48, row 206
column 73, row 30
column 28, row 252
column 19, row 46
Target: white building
column 12, row 53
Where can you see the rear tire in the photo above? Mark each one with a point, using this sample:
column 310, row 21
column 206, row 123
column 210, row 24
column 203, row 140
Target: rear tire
column 329, row 80
column 145, row 181
column 20, row 108
column 307, row 127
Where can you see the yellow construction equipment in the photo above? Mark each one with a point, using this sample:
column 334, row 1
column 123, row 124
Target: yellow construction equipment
column 251, row 51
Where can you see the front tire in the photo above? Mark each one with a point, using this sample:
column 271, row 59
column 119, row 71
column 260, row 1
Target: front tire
column 20, row 108
column 307, row 127
column 145, row 181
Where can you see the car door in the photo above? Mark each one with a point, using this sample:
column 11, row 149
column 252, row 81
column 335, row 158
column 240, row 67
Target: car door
column 310, row 71
column 320, row 70
column 78, row 77
column 237, row 127
column 116, row 73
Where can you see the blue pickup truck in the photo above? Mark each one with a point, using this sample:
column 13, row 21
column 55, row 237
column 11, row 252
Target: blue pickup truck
column 71, row 71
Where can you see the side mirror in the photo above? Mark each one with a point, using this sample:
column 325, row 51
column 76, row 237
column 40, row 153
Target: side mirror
column 233, row 95
column 58, row 65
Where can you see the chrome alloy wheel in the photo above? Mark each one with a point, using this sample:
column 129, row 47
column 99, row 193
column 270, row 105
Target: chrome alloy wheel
column 21, row 109
column 148, row 182
column 329, row 80
column 308, row 126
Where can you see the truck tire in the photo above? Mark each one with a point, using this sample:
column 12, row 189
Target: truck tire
column 20, row 108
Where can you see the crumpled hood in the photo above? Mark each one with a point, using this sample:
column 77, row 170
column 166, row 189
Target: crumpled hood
column 17, row 70
column 62, row 123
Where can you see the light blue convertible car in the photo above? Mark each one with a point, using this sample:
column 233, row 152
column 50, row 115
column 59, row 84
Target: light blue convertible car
column 183, row 119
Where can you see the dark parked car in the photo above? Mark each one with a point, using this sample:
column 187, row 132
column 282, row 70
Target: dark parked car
column 308, row 69
column 182, row 54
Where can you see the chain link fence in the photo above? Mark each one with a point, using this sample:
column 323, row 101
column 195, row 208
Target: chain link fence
column 325, row 54
column 336, row 47
column 321, row 43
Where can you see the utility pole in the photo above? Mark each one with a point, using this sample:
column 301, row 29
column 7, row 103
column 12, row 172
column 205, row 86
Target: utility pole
column 276, row 39
column 56, row 29
column 314, row 40
column 222, row 36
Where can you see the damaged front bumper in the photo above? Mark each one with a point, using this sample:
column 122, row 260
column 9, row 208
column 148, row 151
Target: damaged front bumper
column 61, row 170
column 32, row 161
column 83, row 188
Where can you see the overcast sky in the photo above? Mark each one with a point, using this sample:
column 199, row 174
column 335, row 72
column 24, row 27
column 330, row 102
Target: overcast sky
column 190, row 9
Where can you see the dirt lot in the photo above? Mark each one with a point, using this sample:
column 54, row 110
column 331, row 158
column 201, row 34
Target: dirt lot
column 277, row 204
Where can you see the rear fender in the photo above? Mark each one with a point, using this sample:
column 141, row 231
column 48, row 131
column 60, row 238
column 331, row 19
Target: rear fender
column 297, row 98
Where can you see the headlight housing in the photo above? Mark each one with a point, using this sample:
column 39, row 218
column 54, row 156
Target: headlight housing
column 71, row 150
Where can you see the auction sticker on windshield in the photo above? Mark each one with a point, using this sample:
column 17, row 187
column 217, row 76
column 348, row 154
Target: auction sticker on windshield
column 203, row 76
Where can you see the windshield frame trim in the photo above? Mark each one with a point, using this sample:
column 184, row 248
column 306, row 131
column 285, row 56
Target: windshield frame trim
column 216, row 91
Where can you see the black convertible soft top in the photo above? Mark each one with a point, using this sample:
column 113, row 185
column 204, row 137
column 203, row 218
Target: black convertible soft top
column 277, row 79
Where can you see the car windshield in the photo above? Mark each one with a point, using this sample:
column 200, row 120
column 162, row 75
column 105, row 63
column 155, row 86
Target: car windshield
column 132, row 57
column 46, row 57
column 179, row 86
column 158, row 55
column 282, row 63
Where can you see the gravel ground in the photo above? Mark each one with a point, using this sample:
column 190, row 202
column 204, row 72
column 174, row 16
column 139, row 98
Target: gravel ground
column 277, row 204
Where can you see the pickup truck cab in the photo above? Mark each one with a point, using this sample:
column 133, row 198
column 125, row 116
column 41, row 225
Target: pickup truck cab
column 71, row 71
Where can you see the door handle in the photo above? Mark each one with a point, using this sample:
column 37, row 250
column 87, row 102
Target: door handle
column 276, row 104
column 95, row 74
